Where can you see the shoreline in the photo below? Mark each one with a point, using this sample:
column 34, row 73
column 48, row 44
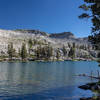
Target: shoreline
column 43, row 60
column 94, row 87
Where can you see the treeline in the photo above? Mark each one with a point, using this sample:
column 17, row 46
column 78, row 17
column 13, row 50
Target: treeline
column 21, row 53
column 44, row 51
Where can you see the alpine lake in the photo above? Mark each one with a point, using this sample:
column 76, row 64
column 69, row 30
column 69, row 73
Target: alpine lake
column 45, row 80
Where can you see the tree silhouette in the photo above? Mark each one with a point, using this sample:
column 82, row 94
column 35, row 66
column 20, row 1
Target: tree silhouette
column 93, row 8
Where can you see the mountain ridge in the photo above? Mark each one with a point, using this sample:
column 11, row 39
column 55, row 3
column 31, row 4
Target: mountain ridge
column 33, row 31
column 39, row 38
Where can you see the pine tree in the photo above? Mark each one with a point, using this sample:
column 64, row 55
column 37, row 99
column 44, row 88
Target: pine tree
column 11, row 51
column 44, row 52
column 74, row 45
column 64, row 50
column 19, row 52
column 58, row 54
column 30, row 43
column 23, row 51
column 72, row 52
column 38, row 52
column 49, row 51
column 93, row 8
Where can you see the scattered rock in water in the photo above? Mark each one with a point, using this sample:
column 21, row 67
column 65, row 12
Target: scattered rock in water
column 90, row 86
column 85, row 87
column 86, row 99
column 98, row 98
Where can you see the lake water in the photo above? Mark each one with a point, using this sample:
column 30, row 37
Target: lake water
column 45, row 80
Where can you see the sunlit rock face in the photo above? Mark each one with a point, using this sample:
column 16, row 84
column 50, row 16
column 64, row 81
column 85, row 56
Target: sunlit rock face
column 56, row 40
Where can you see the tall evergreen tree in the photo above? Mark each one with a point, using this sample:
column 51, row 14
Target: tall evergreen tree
column 38, row 52
column 19, row 52
column 64, row 50
column 23, row 51
column 72, row 52
column 93, row 6
column 11, row 50
column 74, row 45
column 58, row 54
column 44, row 52
column 30, row 43
column 49, row 51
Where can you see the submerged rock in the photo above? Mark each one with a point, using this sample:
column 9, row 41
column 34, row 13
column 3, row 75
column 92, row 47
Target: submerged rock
column 85, row 87
column 86, row 99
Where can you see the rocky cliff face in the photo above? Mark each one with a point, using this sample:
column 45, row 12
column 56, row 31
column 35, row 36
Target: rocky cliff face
column 63, row 35
column 58, row 40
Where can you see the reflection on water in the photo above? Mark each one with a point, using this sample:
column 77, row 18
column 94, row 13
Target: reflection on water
column 37, row 80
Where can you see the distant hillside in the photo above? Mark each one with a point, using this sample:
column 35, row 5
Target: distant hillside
column 56, row 40
column 31, row 31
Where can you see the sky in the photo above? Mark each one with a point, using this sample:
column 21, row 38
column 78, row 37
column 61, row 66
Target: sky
column 52, row 16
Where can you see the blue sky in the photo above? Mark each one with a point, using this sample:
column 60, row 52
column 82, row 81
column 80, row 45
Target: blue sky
column 52, row 16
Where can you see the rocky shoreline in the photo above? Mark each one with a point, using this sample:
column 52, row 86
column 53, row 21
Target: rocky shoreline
column 14, row 59
column 95, row 87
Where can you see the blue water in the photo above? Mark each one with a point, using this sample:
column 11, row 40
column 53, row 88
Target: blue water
column 45, row 80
